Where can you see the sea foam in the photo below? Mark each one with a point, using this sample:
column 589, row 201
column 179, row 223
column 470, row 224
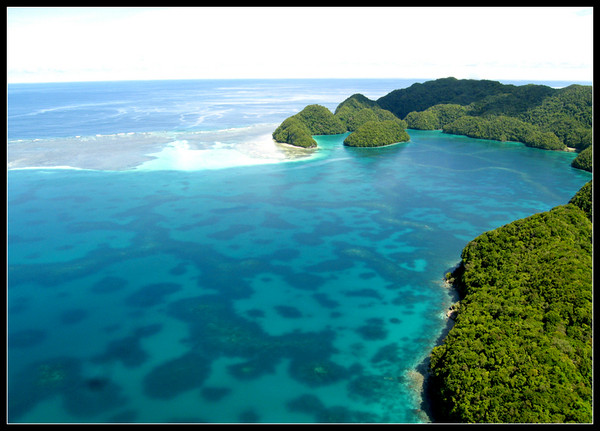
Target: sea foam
column 185, row 151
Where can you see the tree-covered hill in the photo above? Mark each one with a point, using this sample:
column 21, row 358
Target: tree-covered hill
column 370, row 125
column 312, row 120
column 436, row 117
column 584, row 160
column 377, row 134
column 504, row 128
column 521, row 347
column 294, row 132
column 567, row 114
column 358, row 109
column 421, row 96
column 513, row 100
column 536, row 115
column 320, row 120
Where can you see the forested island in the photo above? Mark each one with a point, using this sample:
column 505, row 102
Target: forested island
column 370, row 125
column 535, row 115
column 520, row 349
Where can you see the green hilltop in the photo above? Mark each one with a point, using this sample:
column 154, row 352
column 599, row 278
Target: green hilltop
column 370, row 125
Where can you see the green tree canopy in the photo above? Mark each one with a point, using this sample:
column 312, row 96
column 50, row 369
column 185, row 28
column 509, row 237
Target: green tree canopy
column 358, row 109
column 294, row 132
column 521, row 346
column 435, row 117
column 584, row 199
column 583, row 160
column 567, row 114
column 503, row 128
column 312, row 120
column 421, row 96
column 377, row 134
column 320, row 120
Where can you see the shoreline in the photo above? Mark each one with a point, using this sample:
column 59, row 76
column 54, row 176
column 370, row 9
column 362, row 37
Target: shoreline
column 420, row 375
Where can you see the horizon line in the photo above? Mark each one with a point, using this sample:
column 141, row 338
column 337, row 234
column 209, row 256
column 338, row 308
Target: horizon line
column 574, row 81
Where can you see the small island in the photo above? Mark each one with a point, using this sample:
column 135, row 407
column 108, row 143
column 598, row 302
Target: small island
column 312, row 120
column 377, row 134
column 370, row 125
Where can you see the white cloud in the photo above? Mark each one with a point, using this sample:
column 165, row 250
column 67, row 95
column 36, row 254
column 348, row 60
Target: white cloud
column 169, row 43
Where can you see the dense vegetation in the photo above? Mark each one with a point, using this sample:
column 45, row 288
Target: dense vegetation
column 371, row 125
column 294, row 132
column 435, row 117
column 358, row 109
column 320, row 120
column 567, row 114
column 583, row 160
column 512, row 101
column 312, row 120
column 377, row 134
column 419, row 97
column 502, row 128
column 521, row 347
column 535, row 115
column 584, row 198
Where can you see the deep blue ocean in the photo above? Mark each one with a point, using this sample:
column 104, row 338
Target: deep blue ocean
column 167, row 262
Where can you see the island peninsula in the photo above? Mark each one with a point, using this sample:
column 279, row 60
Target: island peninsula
column 520, row 350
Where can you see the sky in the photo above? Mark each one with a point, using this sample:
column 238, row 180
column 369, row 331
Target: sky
column 63, row 44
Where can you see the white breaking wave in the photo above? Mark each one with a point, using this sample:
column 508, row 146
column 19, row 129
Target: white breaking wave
column 178, row 155
column 49, row 167
column 185, row 151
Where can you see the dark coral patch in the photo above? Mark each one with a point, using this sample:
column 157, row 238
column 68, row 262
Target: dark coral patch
column 304, row 281
column 128, row 349
column 214, row 394
column 71, row 317
column 152, row 294
column 311, row 405
column 249, row 416
column 176, row 376
column 255, row 313
column 90, row 397
column 254, row 368
column 109, row 284
column 317, row 372
column 82, row 396
column 25, row 338
column 388, row 353
column 126, row 416
column 325, row 301
column 365, row 293
column 372, row 388
column 288, row 312
column 285, row 254
column 373, row 330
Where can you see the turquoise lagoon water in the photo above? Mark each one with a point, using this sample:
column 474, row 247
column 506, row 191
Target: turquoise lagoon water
column 297, row 290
